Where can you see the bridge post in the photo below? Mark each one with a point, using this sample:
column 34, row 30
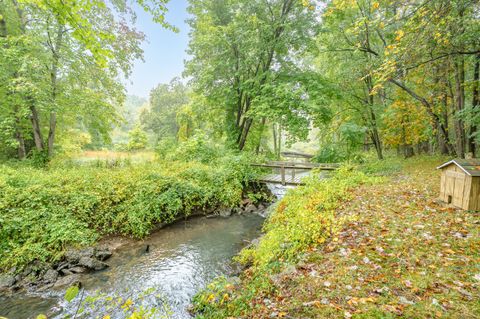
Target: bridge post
column 282, row 173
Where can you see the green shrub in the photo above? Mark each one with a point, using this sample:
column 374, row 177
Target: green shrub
column 42, row 211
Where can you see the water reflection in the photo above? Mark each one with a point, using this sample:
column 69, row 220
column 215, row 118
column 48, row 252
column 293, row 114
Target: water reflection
column 181, row 259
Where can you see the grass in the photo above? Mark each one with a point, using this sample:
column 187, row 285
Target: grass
column 398, row 253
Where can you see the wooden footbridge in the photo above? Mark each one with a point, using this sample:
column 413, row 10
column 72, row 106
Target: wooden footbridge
column 291, row 173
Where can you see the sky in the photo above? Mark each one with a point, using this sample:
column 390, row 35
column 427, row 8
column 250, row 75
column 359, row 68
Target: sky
column 164, row 50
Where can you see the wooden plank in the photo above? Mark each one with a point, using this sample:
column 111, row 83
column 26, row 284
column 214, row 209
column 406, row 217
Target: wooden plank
column 455, row 174
column 474, row 196
column 304, row 167
column 277, row 179
column 466, row 191
column 459, row 184
column 449, row 183
column 443, row 195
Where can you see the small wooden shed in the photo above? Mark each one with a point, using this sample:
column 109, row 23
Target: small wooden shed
column 460, row 183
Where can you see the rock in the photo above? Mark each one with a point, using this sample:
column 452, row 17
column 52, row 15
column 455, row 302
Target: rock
column 50, row 276
column 62, row 265
column 261, row 207
column 27, row 271
column 77, row 270
column 66, row 272
column 45, row 287
column 102, row 253
column 91, row 263
column 237, row 210
column 225, row 212
column 255, row 242
column 67, row 281
column 6, row 281
column 246, row 201
column 74, row 256
column 250, row 208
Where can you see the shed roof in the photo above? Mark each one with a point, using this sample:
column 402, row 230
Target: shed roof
column 470, row 166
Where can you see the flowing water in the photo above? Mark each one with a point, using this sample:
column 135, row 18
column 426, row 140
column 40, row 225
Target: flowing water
column 182, row 259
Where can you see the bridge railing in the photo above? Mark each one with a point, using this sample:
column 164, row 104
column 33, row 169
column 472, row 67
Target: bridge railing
column 281, row 167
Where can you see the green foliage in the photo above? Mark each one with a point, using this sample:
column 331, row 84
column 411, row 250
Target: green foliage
column 197, row 148
column 42, row 211
column 115, row 305
column 61, row 68
column 137, row 139
column 330, row 154
column 39, row 158
column 166, row 101
column 303, row 219
column 71, row 293
column 243, row 66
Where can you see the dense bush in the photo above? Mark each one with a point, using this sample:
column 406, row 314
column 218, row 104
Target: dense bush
column 44, row 210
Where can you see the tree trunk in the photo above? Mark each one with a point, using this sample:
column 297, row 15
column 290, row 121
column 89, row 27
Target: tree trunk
column 376, row 137
column 55, row 48
column 372, row 118
column 274, row 131
column 37, row 132
column 51, row 133
column 21, row 150
column 244, row 133
column 472, row 146
column 459, row 106
column 262, row 128
column 3, row 25
column 279, row 141
column 441, row 142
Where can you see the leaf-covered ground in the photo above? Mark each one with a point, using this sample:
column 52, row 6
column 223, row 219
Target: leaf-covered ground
column 401, row 255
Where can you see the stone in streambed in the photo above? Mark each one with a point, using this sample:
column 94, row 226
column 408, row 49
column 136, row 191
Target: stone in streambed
column 225, row 212
column 6, row 281
column 73, row 256
column 102, row 253
column 50, row 276
column 91, row 263
column 66, row 272
column 67, row 281
column 77, row 270
column 250, row 208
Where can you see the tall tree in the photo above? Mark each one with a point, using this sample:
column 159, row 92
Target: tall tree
column 240, row 50
column 63, row 61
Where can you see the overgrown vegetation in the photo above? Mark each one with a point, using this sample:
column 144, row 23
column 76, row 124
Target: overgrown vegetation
column 394, row 252
column 303, row 219
column 42, row 211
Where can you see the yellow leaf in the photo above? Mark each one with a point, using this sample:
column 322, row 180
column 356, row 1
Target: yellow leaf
column 127, row 304
column 400, row 35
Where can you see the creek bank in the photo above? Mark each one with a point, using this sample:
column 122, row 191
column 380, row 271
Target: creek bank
column 183, row 258
column 40, row 276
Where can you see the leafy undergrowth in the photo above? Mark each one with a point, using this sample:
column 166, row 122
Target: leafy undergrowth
column 42, row 211
column 398, row 254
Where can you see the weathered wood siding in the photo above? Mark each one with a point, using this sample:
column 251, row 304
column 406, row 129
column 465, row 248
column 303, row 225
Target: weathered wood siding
column 474, row 196
column 463, row 188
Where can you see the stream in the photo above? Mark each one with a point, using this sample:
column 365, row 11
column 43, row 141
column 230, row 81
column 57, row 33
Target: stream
column 182, row 259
